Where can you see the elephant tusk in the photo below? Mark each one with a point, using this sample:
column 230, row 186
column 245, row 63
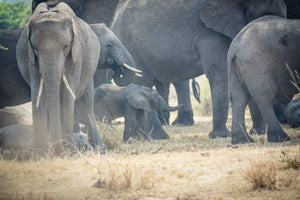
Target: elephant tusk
column 131, row 68
column 64, row 78
column 40, row 92
column 138, row 75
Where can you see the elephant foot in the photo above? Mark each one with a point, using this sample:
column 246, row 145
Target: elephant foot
column 184, row 118
column 159, row 136
column 241, row 138
column 278, row 136
column 223, row 134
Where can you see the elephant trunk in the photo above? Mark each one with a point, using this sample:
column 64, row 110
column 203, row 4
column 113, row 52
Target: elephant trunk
column 172, row 108
column 125, row 68
column 52, row 86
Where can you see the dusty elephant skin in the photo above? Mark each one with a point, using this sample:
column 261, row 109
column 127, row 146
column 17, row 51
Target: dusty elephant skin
column 137, row 104
column 18, row 136
column 263, row 77
column 51, row 54
column 192, row 41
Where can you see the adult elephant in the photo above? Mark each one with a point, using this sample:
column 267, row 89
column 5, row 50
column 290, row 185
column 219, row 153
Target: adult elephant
column 57, row 55
column 174, row 41
column 263, row 77
column 13, row 89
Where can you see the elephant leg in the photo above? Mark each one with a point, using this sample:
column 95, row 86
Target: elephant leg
column 67, row 116
column 85, row 107
column 213, row 53
column 163, row 90
column 258, row 126
column 154, row 126
column 239, row 100
column 275, row 133
column 39, row 119
column 130, row 122
column 185, row 114
column 142, row 125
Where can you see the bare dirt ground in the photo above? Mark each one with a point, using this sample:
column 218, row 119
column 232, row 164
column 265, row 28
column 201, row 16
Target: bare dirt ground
column 187, row 166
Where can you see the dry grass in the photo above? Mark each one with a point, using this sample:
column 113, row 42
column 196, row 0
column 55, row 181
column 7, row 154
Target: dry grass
column 189, row 165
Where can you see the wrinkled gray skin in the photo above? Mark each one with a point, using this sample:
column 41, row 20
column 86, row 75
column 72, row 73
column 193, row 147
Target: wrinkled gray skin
column 293, row 113
column 136, row 104
column 262, row 77
column 173, row 41
column 18, row 137
column 57, row 45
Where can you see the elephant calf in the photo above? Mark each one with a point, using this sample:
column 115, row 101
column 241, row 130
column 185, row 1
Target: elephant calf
column 293, row 113
column 137, row 104
column 261, row 60
column 20, row 136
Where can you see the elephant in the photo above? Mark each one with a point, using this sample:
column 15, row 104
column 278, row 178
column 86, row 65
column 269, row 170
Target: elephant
column 13, row 89
column 57, row 55
column 173, row 41
column 136, row 104
column 19, row 136
column 261, row 61
column 293, row 113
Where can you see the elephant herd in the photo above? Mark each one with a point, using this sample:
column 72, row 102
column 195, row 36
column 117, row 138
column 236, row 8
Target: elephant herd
column 246, row 48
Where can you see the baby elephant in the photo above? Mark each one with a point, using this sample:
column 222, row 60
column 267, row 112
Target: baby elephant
column 293, row 113
column 20, row 136
column 137, row 104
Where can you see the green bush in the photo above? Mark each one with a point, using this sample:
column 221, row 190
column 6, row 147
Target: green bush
column 15, row 14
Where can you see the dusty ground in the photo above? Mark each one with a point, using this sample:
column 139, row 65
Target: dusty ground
column 187, row 166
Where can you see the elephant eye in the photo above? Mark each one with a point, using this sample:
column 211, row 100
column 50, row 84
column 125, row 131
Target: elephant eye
column 66, row 46
column 109, row 45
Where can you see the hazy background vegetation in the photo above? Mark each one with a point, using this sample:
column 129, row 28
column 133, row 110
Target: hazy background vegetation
column 14, row 13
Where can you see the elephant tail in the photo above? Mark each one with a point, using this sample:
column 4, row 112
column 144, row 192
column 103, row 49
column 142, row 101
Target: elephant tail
column 196, row 90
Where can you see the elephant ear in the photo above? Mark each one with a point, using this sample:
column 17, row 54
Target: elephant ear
column 223, row 16
column 136, row 98
column 25, row 55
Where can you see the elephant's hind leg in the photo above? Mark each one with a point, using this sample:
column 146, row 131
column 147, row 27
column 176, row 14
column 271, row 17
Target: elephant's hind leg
column 239, row 100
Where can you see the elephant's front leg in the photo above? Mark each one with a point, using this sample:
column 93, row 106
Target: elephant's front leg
column 213, row 52
column 85, row 105
column 185, row 114
column 67, row 115
column 39, row 115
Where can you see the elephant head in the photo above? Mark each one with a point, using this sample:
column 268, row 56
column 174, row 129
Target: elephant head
column 57, row 55
column 230, row 16
column 144, row 98
column 115, row 56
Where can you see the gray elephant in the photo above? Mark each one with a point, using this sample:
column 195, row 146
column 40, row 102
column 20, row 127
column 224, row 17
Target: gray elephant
column 18, row 137
column 57, row 55
column 13, row 89
column 257, row 62
column 293, row 113
column 136, row 104
column 173, row 41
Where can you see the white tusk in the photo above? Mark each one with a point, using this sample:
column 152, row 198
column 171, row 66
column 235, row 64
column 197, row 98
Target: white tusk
column 131, row 68
column 40, row 92
column 64, row 78
column 138, row 75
